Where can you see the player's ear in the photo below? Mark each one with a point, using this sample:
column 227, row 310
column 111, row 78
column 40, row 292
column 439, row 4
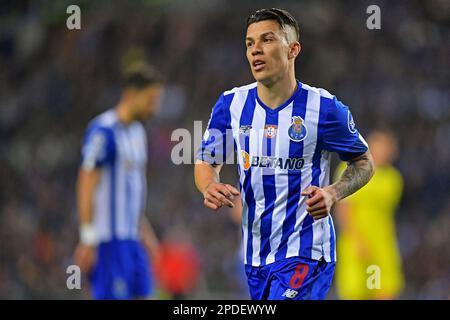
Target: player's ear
column 294, row 49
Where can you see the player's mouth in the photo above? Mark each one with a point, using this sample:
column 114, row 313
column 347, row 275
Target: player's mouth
column 258, row 65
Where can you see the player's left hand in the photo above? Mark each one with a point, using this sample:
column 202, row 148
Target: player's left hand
column 320, row 201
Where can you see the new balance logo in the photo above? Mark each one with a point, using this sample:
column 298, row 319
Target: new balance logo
column 289, row 293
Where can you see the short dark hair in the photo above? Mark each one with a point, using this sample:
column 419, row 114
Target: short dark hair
column 139, row 75
column 283, row 18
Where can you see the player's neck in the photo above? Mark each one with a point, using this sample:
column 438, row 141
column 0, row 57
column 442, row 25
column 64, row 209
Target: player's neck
column 275, row 95
column 123, row 114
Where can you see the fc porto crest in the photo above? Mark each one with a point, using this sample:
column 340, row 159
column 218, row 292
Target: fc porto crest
column 297, row 131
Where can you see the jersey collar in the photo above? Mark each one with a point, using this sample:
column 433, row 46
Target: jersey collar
column 285, row 104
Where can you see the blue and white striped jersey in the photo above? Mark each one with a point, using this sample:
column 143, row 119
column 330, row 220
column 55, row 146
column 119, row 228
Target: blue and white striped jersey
column 281, row 152
column 120, row 152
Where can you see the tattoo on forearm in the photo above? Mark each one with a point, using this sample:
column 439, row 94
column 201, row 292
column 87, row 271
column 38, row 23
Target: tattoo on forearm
column 357, row 174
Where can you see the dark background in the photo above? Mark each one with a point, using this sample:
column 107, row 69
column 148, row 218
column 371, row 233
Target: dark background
column 54, row 80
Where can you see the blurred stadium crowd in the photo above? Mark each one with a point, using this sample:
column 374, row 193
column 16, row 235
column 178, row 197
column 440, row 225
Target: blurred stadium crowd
column 53, row 80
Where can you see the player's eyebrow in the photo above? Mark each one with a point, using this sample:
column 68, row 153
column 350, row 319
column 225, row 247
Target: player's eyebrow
column 261, row 35
column 267, row 33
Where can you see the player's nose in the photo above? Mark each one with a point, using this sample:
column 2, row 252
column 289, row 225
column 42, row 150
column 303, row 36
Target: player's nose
column 256, row 49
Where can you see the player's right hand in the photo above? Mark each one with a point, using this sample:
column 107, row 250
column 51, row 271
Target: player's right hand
column 85, row 257
column 219, row 194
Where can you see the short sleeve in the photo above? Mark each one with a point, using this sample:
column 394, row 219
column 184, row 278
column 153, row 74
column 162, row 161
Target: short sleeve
column 340, row 134
column 98, row 148
column 217, row 143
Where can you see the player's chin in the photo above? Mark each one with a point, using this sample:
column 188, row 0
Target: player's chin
column 263, row 78
column 259, row 75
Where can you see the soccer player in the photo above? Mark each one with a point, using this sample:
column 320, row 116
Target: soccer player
column 111, row 193
column 283, row 131
column 367, row 236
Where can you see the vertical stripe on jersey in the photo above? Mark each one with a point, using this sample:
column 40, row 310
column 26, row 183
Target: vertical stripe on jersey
column 143, row 178
column 237, row 104
column 327, row 235
column 332, row 240
column 112, row 194
column 326, row 239
column 129, row 213
column 102, row 205
column 281, row 181
column 324, row 242
column 257, row 180
column 269, row 185
column 130, row 195
column 133, row 181
column 311, row 149
column 291, row 223
column 243, row 144
column 122, row 197
column 140, row 176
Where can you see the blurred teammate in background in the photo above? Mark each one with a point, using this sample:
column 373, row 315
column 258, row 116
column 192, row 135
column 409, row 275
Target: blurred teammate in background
column 284, row 132
column 112, row 192
column 367, row 228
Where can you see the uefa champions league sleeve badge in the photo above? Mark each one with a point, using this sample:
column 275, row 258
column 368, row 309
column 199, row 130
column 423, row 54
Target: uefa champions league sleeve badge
column 351, row 123
column 297, row 131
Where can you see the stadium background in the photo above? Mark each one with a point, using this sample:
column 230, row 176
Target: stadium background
column 53, row 80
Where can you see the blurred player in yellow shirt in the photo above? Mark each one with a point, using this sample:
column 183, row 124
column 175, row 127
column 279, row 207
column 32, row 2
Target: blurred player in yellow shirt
column 367, row 228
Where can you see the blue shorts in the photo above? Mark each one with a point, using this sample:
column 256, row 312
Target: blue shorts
column 122, row 271
column 293, row 278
